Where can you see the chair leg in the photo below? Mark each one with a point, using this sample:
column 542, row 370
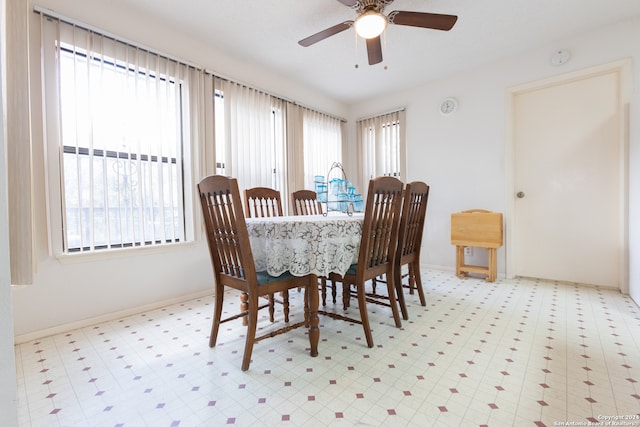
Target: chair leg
column 323, row 287
column 395, row 294
column 364, row 316
column 251, row 331
column 346, row 295
column 397, row 284
column 244, row 306
column 333, row 291
column 272, row 303
column 412, row 280
column 307, row 319
column 217, row 314
column 285, row 305
column 415, row 268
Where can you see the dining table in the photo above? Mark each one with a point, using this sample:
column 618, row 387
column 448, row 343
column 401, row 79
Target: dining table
column 314, row 245
column 306, row 244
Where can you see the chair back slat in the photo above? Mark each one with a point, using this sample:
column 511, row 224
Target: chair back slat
column 262, row 202
column 305, row 202
column 380, row 226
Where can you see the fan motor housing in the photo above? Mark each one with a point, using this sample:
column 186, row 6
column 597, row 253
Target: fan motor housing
column 375, row 5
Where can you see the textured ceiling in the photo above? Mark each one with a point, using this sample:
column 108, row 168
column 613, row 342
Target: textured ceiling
column 266, row 32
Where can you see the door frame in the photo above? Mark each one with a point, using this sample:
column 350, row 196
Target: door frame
column 623, row 68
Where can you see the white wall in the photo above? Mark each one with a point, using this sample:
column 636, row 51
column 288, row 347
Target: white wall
column 462, row 157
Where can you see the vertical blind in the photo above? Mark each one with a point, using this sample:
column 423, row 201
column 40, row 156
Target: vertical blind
column 252, row 135
column 260, row 136
column 322, row 137
column 381, row 145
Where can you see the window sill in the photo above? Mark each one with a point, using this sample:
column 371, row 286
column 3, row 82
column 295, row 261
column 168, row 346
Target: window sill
column 107, row 254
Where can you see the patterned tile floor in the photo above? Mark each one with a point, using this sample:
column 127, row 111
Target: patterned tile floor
column 511, row 353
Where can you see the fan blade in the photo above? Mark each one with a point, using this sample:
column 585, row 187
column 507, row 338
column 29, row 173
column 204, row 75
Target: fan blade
column 325, row 33
column 350, row 3
column 374, row 50
column 434, row 21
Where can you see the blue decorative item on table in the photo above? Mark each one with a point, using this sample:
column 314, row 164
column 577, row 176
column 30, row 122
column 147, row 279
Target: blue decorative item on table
column 338, row 192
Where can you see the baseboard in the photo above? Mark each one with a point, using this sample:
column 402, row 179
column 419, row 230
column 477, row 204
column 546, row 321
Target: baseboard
column 426, row 267
column 447, row 268
column 21, row 339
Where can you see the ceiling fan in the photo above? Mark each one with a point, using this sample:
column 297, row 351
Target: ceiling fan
column 371, row 22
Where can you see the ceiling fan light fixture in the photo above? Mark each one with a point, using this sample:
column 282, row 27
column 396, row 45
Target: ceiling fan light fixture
column 370, row 24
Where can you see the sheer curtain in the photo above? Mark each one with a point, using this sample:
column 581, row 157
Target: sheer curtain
column 204, row 125
column 253, row 136
column 295, row 147
column 322, row 141
column 19, row 144
column 381, row 146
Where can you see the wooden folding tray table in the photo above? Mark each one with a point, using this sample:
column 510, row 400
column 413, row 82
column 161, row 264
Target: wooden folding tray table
column 477, row 228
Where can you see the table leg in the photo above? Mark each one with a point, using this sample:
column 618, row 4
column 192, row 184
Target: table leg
column 459, row 260
column 493, row 265
column 312, row 302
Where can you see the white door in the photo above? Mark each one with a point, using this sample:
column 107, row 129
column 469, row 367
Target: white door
column 568, row 181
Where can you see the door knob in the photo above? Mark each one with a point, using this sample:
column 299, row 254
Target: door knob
column 520, row 194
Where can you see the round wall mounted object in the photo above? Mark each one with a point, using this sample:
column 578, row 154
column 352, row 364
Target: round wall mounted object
column 560, row 57
column 448, row 106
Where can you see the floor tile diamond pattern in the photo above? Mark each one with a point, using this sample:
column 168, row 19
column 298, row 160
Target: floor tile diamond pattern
column 513, row 352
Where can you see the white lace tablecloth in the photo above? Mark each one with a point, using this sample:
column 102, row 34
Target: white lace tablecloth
column 307, row 244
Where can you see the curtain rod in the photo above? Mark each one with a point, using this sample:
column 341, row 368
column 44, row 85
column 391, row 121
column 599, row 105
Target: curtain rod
column 281, row 98
column 381, row 114
column 52, row 14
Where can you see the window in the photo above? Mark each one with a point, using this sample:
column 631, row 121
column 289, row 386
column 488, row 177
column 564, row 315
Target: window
column 249, row 136
column 381, row 145
column 128, row 132
column 119, row 112
column 322, row 137
column 390, row 153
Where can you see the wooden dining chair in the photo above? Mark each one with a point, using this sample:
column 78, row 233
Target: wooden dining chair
column 261, row 202
column 377, row 251
column 264, row 202
column 305, row 202
column 412, row 219
column 233, row 266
